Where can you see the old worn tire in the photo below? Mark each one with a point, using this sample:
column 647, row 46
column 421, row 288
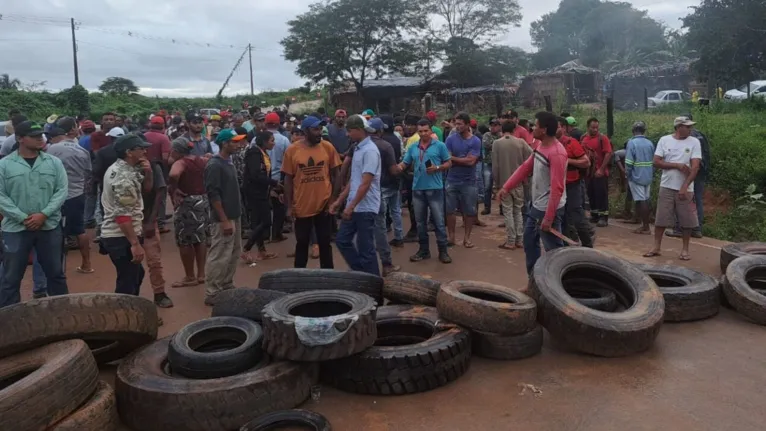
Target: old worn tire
column 216, row 347
column 297, row 280
column 99, row 413
column 281, row 340
column 148, row 399
column 44, row 385
column 113, row 325
column 591, row 331
column 415, row 352
column 689, row 295
column 245, row 303
column 487, row 307
column 742, row 297
column 508, row 347
column 412, row 289
column 732, row 251
column 296, row 417
column 592, row 294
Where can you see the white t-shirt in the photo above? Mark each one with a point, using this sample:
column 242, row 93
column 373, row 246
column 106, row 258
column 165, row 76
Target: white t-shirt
column 673, row 150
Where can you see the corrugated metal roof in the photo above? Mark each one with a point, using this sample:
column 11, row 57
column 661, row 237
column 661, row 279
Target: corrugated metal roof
column 680, row 67
column 572, row 66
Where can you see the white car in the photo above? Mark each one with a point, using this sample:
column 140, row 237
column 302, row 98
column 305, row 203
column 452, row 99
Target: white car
column 209, row 111
column 757, row 88
column 665, row 97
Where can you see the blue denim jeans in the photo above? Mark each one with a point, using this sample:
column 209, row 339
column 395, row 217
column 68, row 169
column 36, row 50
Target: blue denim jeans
column 392, row 199
column 381, row 234
column 488, row 183
column 433, row 200
column 48, row 244
column 360, row 256
column 40, row 283
column 464, row 197
column 533, row 235
column 480, row 180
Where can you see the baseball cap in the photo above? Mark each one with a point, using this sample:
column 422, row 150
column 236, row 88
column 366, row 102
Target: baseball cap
column 639, row 125
column 571, row 121
column 128, row 142
column 66, row 124
column 259, row 116
column 52, row 119
column 494, row 122
column 683, row 121
column 358, row 122
column 28, row 128
column 228, row 135
column 272, row 118
column 293, row 119
column 55, row 131
column 377, row 124
column 431, row 115
column 474, row 123
column 182, row 145
column 193, row 117
column 116, row 132
column 87, row 124
column 368, row 113
column 177, row 120
column 157, row 120
column 341, row 112
column 311, row 122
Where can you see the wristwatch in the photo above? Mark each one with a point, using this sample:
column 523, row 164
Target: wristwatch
column 438, row 167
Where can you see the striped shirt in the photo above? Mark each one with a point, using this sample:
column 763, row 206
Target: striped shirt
column 639, row 157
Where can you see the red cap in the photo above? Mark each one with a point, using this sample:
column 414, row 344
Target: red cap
column 157, row 119
column 272, row 118
column 339, row 112
column 431, row 115
column 473, row 123
column 87, row 124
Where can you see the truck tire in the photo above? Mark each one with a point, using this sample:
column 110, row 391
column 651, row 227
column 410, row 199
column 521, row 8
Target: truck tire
column 591, row 331
column 732, row 251
column 742, row 297
column 592, row 294
column 487, row 307
column 281, row 339
column 297, row 280
column 415, row 352
column 113, row 325
column 278, row 420
column 689, row 295
column 44, row 385
column 215, row 347
column 99, row 413
column 245, row 303
column 405, row 288
column 148, row 399
column 508, row 347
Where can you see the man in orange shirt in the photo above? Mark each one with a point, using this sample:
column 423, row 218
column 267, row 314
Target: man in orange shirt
column 600, row 149
column 311, row 167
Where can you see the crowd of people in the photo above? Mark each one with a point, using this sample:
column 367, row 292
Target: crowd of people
column 238, row 183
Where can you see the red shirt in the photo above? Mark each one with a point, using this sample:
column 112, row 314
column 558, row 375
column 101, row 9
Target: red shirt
column 554, row 157
column 160, row 145
column 99, row 140
column 574, row 151
column 522, row 133
column 601, row 145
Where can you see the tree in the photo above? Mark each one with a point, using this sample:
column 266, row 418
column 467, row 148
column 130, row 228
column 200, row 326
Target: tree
column 75, row 100
column 116, row 85
column 468, row 65
column 6, row 83
column 348, row 40
column 728, row 37
column 476, row 20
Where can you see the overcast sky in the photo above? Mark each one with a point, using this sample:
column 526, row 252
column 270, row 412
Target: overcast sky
column 133, row 39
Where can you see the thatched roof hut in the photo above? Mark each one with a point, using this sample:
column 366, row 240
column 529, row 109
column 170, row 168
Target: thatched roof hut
column 570, row 83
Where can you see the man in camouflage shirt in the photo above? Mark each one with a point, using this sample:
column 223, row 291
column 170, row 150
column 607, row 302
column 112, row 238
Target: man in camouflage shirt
column 122, row 229
column 486, row 144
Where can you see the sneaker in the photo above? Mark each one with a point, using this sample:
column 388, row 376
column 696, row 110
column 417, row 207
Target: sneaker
column 486, row 211
column 444, row 257
column 210, row 300
column 602, row 223
column 162, row 300
column 420, row 255
column 674, row 233
column 396, row 243
column 389, row 269
column 411, row 237
column 36, row 295
column 696, row 234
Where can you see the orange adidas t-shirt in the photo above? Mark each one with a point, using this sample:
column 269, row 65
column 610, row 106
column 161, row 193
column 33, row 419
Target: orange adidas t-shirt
column 310, row 168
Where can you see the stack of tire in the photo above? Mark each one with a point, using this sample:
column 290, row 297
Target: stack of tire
column 51, row 349
column 744, row 279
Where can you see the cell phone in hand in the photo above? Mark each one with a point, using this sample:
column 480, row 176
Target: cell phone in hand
column 428, row 164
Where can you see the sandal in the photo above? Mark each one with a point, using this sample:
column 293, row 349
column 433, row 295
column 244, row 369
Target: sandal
column 267, row 256
column 85, row 271
column 653, row 254
column 507, row 246
column 685, row 257
column 468, row 244
column 642, row 231
column 186, row 282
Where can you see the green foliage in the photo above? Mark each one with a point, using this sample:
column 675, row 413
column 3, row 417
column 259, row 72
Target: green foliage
column 75, row 100
column 476, row 20
column 7, row 83
column 744, row 222
column 468, row 65
column 116, row 85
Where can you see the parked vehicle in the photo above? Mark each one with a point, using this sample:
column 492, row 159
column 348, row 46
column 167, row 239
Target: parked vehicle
column 665, row 97
column 209, row 111
column 757, row 88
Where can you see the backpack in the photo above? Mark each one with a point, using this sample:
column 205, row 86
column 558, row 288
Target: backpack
column 590, row 172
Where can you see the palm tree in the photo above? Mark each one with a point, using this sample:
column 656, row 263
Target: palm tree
column 6, row 83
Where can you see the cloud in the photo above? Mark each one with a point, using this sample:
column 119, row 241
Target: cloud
column 134, row 39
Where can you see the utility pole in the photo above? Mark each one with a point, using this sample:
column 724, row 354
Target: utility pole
column 74, row 54
column 250, row 54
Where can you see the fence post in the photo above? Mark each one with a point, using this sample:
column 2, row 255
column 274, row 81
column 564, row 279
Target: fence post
column 548, row 103
column 609, row 117
column 498, row 106
column 646, row 99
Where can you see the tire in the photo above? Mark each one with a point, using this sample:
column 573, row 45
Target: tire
column 281, row 339
column 739, row 249
column 508, row 347
column 216, row 347
column 419, row 355
column 99, row 413
column 406, row 288
column 591, row 331
column 44, row 385
column 148, row 399
column 740, row 295
column 278, row 420
column 245, row 303
column 689, row 295
column 113, row 325
column 592, row 294
column 297, row 280
column 487, row 307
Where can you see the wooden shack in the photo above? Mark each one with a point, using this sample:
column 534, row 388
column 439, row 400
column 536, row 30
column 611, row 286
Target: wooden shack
column 627, row 86
column 568, row 84
column 396, row 94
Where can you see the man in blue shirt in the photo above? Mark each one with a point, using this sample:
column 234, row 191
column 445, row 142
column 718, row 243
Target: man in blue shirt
column 277, row 155
column 639, row 156
column 430, row 159
column 362, row 195
column 462, row 192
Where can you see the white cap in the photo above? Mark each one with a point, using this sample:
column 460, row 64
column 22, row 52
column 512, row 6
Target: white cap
column 116, row 132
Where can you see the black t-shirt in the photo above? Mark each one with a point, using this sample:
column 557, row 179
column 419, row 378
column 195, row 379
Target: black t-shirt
column 31, row 160
column 151, row 197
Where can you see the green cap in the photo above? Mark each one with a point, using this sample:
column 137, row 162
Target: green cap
column 368, row 113
column 358, row 122
column 571, row 121
column 228, row 135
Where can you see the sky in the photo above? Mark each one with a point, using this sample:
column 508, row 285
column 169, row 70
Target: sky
column 183, row 48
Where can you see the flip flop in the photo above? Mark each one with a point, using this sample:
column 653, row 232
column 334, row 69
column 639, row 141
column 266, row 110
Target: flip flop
column 685, row 257
column 653, row 254
column 506, row 246
column 468, row 244
column 267, row 256
column 85, row 271
column 201, row 280
column 641, row 231
column 185, row 283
